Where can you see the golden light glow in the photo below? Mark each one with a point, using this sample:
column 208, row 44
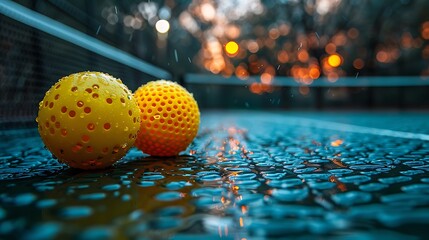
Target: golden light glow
column 231, row 47
column 314, row 73
column 334, row 60
column 259, row 88
column 337, row 143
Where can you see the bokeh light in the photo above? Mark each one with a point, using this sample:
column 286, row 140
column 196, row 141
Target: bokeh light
column 231, row 47
column 358, row 63
column 334, row 60
column 425, row 30
column 162, row 26
column 248, row 38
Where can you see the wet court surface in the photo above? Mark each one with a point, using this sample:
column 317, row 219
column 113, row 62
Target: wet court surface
column 248, row 175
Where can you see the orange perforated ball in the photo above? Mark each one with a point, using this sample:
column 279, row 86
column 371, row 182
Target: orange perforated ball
column 88, row 120
column 169, row 118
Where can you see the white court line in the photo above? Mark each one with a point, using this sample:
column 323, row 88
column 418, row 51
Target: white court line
column 355, row 128
column 342, row 127
column 283, row 81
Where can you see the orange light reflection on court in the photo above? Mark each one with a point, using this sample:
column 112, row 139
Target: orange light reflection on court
column 337, row 143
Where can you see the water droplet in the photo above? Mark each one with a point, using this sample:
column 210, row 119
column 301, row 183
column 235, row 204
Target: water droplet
column 351, row 198
column 147, row 183
column 409, row 198
column 169, row 196
column 416, row 188
column 48, row 230
column 208, row 192
column 340, row 171
column 171, row 211
column 398, row 179
column 97, row 233
column 156, row 116
column 356, row 179
column 126, row 129
column 2, row 213
column 115, row 149
column 373, row 187
column 111, row 187
column 92, row 196
column 152, row 176
column 321, row 185
column 290, row 195
column 412, row 172
column 74, row 212
column 210, row 177
column 286, row 183
column 24, row 199
column 45, row 203
column 177, row 185
column 126, row 197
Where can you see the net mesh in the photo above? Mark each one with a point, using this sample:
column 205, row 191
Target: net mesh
column 31, row 61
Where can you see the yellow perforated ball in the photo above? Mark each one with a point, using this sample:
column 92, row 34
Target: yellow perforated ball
column 169, row 118
column 88, row 120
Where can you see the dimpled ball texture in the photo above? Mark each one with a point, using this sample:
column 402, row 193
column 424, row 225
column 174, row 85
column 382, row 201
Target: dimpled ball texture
column 88, row 120
column 169, row 118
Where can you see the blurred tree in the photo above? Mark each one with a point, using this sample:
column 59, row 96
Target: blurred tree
column 285, row 37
